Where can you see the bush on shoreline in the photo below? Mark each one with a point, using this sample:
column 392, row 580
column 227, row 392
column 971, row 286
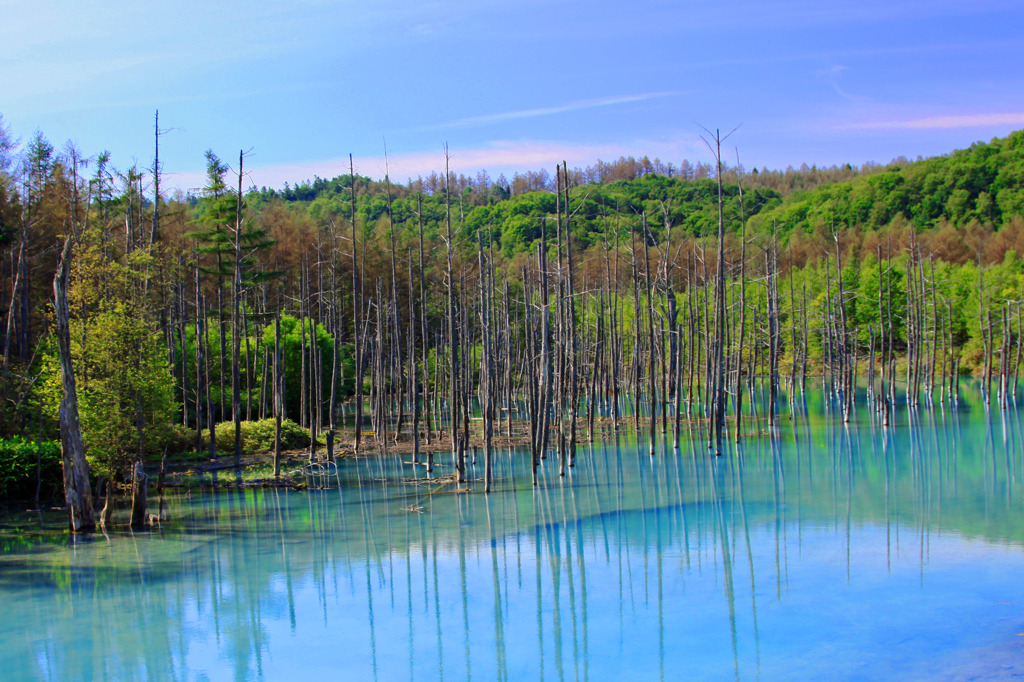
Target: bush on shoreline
column 258, row 436
column 19, row 457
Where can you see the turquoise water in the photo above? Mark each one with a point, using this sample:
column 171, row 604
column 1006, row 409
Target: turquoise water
column 833, row 551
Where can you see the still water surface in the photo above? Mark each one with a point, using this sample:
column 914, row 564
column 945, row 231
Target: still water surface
column 834, row 551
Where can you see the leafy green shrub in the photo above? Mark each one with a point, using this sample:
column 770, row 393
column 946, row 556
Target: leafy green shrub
column 258, row 436
column 180, row 439
column 18, row 458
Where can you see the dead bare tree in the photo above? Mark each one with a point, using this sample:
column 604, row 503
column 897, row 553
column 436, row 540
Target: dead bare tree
column 77, row 493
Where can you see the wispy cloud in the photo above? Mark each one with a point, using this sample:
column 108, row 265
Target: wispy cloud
column 556, row 109
column 831, row 76
column 940, row 122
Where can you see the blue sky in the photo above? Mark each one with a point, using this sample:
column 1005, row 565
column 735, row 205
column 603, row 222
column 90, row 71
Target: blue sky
column 509, row 85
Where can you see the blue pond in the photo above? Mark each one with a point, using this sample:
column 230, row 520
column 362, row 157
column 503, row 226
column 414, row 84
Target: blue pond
column 838, row 551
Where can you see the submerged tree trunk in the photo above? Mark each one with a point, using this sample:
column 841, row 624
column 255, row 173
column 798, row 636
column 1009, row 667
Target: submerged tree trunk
column 140, row 486
column 77, row 494
column 718, row 413
column 458, row 447
column 278, row 395
column 356, row 314
column 236, row 331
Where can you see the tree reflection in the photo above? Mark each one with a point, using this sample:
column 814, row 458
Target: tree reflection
column 630, row 566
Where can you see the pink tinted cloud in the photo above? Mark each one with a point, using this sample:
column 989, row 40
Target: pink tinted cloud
column 941, row 122
column 496, row 157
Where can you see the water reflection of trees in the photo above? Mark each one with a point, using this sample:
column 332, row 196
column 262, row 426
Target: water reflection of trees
column 626, row 567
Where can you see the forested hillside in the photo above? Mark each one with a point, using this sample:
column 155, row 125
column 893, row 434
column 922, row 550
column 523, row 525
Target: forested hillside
column 321, row 300
column 983, row 184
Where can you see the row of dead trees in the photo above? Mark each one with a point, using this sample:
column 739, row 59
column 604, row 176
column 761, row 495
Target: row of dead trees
column 689, row 337
column 661, row 333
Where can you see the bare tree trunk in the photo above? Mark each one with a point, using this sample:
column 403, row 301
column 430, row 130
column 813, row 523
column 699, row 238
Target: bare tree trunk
column 883, row 405
column 634, row 379
column 236, row 296
column 573, row 343
column 14, row 294
column 546, row 363
column 396, row 385
column 278, row 394
column 199, row 365
column 156, row 191
column 1016, row 362
column 773, row 333
column 616, row 350
column 423, row 326
column 486, row 367
column 140, row 485
column 210, row 410
column 179, row 328
column 742, row 323
column 560, row 329
column 107, row 513
column 356, row 313
column 77, row 494
column 719, row 380
column 792, row 329
column 458, row 448
column 652, row 388
column 414, row 396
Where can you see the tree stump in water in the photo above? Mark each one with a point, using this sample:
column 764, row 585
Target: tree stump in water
column 108, row 508
column 140, row 483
